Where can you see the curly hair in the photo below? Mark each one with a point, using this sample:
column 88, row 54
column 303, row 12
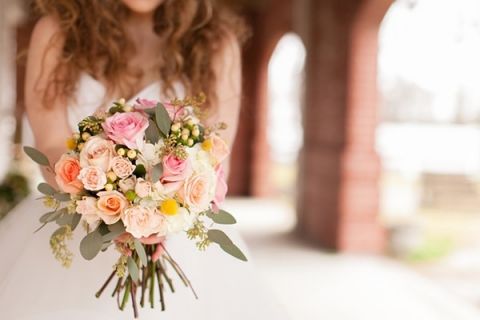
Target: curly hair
column 96, row 42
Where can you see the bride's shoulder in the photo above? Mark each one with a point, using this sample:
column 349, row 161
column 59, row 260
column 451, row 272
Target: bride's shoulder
column 46, row 28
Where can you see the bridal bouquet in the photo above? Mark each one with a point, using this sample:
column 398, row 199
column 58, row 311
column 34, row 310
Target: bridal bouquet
column 133, row 177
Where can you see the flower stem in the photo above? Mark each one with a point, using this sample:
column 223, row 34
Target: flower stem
column 126, row 294
column 160, row 288
column 99, row 293
column 133, row 291
column 152, row 284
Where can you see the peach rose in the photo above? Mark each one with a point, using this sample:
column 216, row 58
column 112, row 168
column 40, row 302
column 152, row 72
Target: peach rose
column 143, row 188
column 97, row 152
column 220, row 150
column 122, row 167
column 93, row 178
column 87, row 207
column 67, row 170
column 111, row 205
column 142, row 222
column 198, row 191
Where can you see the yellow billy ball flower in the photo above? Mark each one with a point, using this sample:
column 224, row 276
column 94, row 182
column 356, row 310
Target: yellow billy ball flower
column 86, row 136
column 121, row 152
column 169, row 207
column 112, row 176
column 132, row 154
column 71, row 144
column 207, row 145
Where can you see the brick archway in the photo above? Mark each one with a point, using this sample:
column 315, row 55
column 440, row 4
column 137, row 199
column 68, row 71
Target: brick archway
column 339, row 192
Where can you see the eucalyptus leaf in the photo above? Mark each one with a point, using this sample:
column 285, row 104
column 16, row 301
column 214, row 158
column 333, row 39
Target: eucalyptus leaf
column 141, row 252
column 62, row 197
column 234, row 251
column 91, row 245
column 152, row 134
column 163, row 119
column 114, row 231
column 65, row 219
column 157, row 172
column 76, row 220
column 36, row 156
column 49, row 217
column 219, row 237
column 132, row 269
column 46, row 189
column 222, row 217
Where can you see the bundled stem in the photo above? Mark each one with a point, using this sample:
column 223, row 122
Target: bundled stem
column 151, row 275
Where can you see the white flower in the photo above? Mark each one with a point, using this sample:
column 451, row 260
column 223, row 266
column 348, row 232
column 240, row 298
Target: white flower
column 87, row 207
column 162, row 192
column 182, row 221
column 143, row 188
column 143, row 222
column 127, row 184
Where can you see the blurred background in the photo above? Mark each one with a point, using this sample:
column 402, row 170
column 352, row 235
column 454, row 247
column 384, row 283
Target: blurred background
column 356, row 170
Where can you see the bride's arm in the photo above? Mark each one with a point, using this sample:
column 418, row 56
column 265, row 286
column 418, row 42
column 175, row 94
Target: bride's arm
column 49, row 123
column 228, row 70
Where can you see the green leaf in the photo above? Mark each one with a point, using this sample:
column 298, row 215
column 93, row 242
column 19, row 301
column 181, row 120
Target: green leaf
column 68, row 219
column 222, row 217
column 234, row 251
column 152, row 134
column 46, row 189
column 36, row 156
column 141, row 252
column 163, row 119
column 115, row 230
column 49, row 217
column 91, row 245
column 62, row 197
column 76, row 220
column 220, row 238
column 157, row 172
column 132, row 269
column 140, row 171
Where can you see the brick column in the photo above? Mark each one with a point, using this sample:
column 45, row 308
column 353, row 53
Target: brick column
column 338, row 198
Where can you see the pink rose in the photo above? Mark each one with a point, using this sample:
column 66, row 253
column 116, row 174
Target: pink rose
column 143, row 188
column 142, row 222
column 97, row 152
column 220, row 150
column 93, row 178
column 67, row 170
column 111, row 205
column 145, row 104
column 127, row 128
column 122, row 167
column 198, row 191
column 221, row 188
column 175, row 169
column 87, row 207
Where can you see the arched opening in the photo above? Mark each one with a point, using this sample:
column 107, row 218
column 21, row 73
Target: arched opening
column 284, row 120
column 429, row 136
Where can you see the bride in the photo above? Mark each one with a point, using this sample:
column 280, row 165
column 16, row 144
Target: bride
column 83, row 54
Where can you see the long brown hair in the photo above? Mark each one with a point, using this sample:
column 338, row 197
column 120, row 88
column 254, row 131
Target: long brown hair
column 93, row 32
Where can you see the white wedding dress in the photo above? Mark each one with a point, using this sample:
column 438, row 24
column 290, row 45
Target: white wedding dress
column 33, row 285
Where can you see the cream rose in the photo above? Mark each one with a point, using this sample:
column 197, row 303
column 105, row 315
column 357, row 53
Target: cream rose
column 122, row 167
column 111, row 205
column 127, row 184
column 142, row 222
column 93, row 178
column 87, row 207
column 198, row 191
column 143, row 188
column 97, row 152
